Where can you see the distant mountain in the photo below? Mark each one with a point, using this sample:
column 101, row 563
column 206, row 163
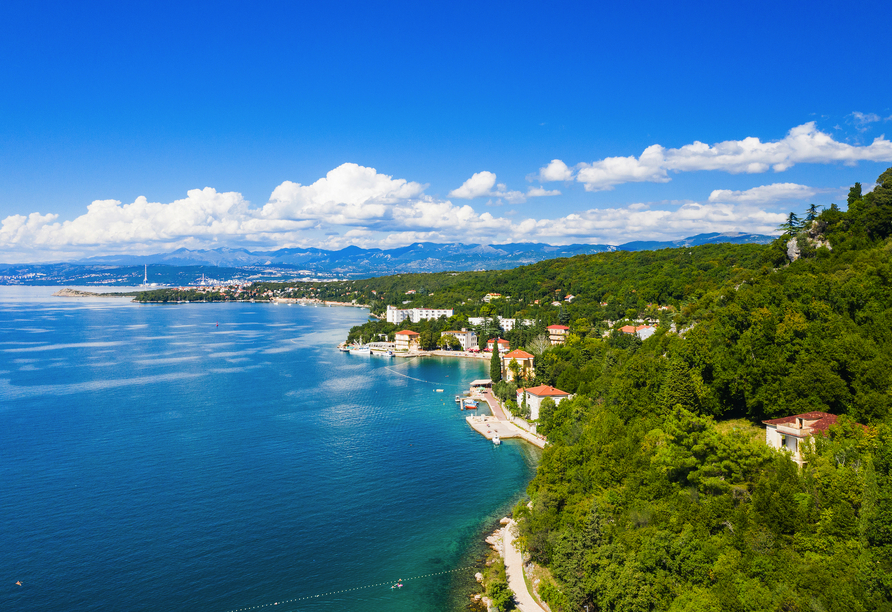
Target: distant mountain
column 714, row 238
column 418, row 257
column 185, row 266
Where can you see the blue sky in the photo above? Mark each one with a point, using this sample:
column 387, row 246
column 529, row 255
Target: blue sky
column 144, row 127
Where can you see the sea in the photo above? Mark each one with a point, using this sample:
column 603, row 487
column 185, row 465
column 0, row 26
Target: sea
column 222, row 457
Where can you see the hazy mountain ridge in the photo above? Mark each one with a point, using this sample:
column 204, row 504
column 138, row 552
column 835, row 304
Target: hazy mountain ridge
column 351, row 261
column 426, row 256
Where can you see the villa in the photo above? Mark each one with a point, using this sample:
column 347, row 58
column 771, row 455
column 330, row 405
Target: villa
column 407, row 340
column 792, row 432
column 467, row 339
column 504, row 346
column 557, row 334
column 523, row 359
column 535, row 395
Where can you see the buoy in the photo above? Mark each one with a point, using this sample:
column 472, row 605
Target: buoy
column 19, row 582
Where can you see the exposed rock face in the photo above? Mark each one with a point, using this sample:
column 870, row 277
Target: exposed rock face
column 810, row 239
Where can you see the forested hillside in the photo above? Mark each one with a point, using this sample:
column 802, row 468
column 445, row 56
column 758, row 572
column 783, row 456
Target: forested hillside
column 650, row 497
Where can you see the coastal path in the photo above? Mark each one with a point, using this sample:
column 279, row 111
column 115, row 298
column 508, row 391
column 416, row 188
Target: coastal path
column 514, row 570
column 499, row 424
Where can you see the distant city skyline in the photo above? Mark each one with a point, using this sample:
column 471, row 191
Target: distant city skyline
column 146, row 129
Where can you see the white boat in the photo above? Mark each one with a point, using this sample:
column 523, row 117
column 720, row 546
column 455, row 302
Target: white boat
column 496, row 440
column 360, row 350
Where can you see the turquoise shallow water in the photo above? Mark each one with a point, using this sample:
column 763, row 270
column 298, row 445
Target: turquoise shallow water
column 222, row 456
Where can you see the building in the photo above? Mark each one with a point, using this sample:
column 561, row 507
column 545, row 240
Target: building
column 468, row 339
column 398, row 315
column 407, row 340
column 642, row 331
column 492, row 296
column 506, row 324
column 535, row 395
column 523, row 359
column 503, row 345
column 790, row 433
column 557, row 333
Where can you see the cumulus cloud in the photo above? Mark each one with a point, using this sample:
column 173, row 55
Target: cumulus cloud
column 480, row 184
column 556, row 170
column 484, row 184
column 802, row 144
column 356, row 205
column 765, row 194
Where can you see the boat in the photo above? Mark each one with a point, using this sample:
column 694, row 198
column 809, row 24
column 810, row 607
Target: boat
column 360, row 350
column 469, row 404
column 496, row 440
column 344, row 348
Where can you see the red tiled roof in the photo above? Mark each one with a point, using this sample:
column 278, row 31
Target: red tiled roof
column 544, row 390
column 518, row 354
column 407, row 332
column 491, row 340
column 557, row 327
column 822, row 420
column 627, row 329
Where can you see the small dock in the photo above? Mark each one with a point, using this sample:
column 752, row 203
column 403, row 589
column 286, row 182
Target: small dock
column 498, row 424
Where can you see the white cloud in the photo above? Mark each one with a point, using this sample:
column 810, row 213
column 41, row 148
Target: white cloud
column 359, row 206
column 556, row 170
column 535, row 192
column 802, row 144
column 480, row 184
column 484, row 184
column 766, row 194
column 348, row 193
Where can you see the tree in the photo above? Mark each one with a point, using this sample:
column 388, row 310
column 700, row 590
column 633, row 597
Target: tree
column 791, row 225
column 563, row 316
column 514, row 367
column 811, row 213
column 540, row 344
column 854, row 194
column 495, row 364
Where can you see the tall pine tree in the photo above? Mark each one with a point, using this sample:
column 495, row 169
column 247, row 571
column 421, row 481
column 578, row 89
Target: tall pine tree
column 495, row 363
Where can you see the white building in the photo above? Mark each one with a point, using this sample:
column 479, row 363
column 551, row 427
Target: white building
column 792, row 432
column 557, row 334
column 506, row 324
column 535, row 395
column 398, row 315
column 468, row 339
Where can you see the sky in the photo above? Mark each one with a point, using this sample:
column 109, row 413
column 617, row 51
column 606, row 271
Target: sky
column 143, row 127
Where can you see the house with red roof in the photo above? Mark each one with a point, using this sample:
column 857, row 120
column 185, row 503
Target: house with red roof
column 524, row 361
column 557, row 333
column 535, row 395
column 504, row 345
column 407, row 340
column 642, row 331
column 790, row 433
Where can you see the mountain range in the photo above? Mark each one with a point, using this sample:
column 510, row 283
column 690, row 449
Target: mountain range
column 417, row 257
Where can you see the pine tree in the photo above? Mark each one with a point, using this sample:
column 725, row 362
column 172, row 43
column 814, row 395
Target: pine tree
column 495, row 363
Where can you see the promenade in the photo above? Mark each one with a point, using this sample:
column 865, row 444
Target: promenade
column 499, row 424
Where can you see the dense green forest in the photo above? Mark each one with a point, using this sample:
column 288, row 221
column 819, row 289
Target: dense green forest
column 656, row 490
column 650, row 496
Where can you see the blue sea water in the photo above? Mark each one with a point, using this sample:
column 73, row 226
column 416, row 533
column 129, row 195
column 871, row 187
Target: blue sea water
column 215, row 457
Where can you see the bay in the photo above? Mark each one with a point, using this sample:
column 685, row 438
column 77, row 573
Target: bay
column 225, row 456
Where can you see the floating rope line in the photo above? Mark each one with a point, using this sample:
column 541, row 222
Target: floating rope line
column 368, row 586
column 430, row 382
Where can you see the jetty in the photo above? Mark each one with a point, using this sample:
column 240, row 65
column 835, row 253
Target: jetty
column 499, row 424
